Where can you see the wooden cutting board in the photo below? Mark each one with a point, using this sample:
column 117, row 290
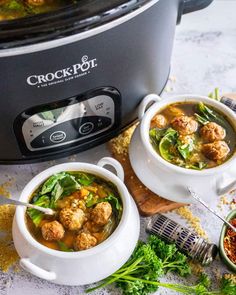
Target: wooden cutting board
column 147, row 202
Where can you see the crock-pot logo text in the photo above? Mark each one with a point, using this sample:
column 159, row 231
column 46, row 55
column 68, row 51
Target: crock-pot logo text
column 63, row 75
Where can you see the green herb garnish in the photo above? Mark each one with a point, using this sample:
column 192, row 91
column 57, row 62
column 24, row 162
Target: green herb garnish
column 64, row 247
column 141, row 273
column 36, row 215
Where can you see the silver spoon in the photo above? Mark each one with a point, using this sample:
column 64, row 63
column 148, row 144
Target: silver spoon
column 4, row 200
column 196, row 197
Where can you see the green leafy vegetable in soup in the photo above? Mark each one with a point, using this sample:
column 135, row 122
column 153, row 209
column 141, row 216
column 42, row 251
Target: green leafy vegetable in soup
column 192, row 135
column 87, row 211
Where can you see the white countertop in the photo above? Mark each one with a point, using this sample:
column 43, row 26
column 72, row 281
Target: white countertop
column 204, row 57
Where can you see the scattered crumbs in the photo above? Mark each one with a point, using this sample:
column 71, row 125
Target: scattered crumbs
column 172, row 79
column 233, row 192
column 8, row 254
column 192, row 220
column 231, row 277
column 4, row 189
column 170, row 85
column 227, row 201
column 120, row 144
column 6, row 217
column 224, row 200
column 17, row 268
column 72, row 158
column 196, row 267
column 168, row 88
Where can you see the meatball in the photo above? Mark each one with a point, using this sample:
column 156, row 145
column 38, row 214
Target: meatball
column 101, row 213
column 185, row 125
column 216, row 150
column 159, row 121
column 85, row 241
column 212, row 132
column 52, row 231
column 72, row 219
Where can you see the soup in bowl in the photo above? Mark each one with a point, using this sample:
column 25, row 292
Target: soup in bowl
column 192, row 135
column 93, row 232
column 87, row 210
column 185, row 141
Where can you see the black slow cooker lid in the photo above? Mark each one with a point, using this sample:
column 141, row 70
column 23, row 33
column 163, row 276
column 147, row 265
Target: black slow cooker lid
column 71, row 19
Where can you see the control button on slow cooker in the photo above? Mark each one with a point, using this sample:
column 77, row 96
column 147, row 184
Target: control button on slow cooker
column 57, row 136
column 86, row 128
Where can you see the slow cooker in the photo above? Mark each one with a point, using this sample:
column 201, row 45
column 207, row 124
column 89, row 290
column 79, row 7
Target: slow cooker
column 73, row 78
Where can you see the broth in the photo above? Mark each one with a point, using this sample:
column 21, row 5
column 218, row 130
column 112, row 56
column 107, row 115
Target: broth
column 192, row 135
column 13, row 9
column 88, row 209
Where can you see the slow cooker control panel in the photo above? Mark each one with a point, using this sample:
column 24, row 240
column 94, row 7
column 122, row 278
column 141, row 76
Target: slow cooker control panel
column 74, row 120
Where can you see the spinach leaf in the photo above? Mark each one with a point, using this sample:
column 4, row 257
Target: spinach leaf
column 34, row 214
column 85, row 179
column 198, row 166
column 92, row 201
column 166, row 144
column 210, row 114
column 156, row 135
column 114, row 201
column 15, row 5
column 64, row 247
column 63, row 187
column 51, row 182
column 185, row 149
column 58, row 186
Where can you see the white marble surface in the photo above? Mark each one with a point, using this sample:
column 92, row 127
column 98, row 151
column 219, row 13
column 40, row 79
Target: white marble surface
column 204, row 57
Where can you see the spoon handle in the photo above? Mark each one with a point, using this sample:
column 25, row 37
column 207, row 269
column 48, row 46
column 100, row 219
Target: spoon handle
column 196, row 197
column 4, row 200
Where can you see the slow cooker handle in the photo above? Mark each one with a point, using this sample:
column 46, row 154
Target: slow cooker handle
column 194, row 5
column 27, row 265
column 115, row 164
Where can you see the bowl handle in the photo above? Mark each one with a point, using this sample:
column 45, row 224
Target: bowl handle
column 222, row 190
column 150, row 98
column 36, row 270
column 115, row 164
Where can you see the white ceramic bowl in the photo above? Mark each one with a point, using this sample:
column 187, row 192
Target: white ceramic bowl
column 84, row 267
column 166, row 179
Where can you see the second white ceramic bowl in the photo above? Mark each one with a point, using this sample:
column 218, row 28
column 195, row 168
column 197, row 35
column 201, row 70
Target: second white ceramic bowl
column 166, row 179
column 83, row 267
